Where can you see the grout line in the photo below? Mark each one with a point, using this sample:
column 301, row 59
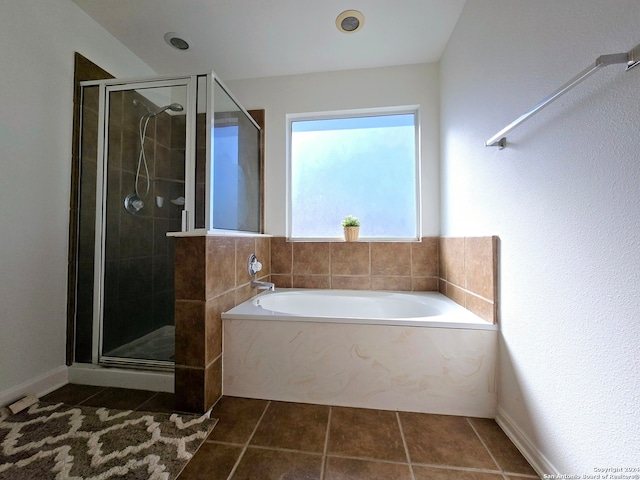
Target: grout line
column 460, row 469
column 147, row 401
column 90, row 396
column 485, row 445
column 246, row 445
column 282, row 449
column 368, row 459
column 406, row 448
column 326, row 446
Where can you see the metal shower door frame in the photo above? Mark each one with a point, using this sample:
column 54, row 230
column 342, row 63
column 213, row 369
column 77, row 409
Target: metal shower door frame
column 106, row 87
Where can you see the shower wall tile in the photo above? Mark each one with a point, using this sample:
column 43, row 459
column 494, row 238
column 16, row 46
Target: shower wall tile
column 400, row 283
column 136, row 236
column 221, row 265
column 244, row 248
column 163, row 129
column 481, row 307
column 178, row 131
column 311, row 258
column 115, row 108
column 177, row 166
column 424, row 284
column 311, row 281
column 244, row 293
column 350, row 258
column 282, row 281
column 190, row 337
column 162, row 162
column 390, row 258
column 90, row 135
column 281, row 256
column 263, row 252
column 354, row 265
column 469, row 273
column 351, row 282
column 213, row 270
column 189, row 389
column 190, row 278
column 130, row 150
column 456, row 294
column 479, row 268
column 424, row 258
column 213, row 382
column 465, row 269
column 213, row 328
column 453, row 260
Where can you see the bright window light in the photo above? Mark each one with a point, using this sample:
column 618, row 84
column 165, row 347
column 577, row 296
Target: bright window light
column 361, row 165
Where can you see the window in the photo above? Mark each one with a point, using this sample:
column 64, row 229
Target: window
column 361, row 164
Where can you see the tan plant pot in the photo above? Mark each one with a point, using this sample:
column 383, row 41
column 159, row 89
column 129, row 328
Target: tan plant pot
column 351, row 234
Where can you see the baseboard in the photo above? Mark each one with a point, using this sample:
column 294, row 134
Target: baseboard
column 89, row 374
column 38, row 386
column 535, row 457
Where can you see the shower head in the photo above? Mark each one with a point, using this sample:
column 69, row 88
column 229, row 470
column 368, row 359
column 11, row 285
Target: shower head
column 174, row 107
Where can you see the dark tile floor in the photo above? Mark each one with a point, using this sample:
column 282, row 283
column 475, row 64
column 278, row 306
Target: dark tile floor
column 262, row 440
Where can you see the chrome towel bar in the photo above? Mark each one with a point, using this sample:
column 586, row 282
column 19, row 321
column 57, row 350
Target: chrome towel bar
column 631, row 58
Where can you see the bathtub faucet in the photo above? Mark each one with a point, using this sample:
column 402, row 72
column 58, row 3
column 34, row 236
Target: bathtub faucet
column 260, row 285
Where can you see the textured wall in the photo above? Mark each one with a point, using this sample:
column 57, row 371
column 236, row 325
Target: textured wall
column 36, row 122
column 564, row 200
column 344, row 90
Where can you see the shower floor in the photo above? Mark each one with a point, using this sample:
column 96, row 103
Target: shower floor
column 157, row 345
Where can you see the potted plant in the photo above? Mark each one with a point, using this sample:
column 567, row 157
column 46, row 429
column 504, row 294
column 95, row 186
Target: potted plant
column 351, row 228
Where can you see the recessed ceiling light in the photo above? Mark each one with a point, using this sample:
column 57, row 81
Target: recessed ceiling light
column 350, row 21
column 177, row 41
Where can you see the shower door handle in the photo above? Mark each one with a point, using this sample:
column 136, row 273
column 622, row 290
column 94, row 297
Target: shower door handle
column 185, row 220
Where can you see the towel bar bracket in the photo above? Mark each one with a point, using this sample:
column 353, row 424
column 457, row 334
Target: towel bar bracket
column 631, row 58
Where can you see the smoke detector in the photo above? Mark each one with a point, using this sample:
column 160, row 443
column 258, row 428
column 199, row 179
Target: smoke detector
column 350, row 21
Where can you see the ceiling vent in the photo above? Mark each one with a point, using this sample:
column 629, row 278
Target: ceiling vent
column 177, row 41
column 350, row 21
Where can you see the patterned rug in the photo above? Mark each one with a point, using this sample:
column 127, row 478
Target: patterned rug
column 57, row 441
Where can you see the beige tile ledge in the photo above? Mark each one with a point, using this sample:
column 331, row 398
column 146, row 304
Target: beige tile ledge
column 217, row 233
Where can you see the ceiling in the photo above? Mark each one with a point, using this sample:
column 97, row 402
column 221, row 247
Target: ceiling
column 262, row 38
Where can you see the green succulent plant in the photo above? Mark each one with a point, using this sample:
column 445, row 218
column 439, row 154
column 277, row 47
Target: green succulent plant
column 350, row 221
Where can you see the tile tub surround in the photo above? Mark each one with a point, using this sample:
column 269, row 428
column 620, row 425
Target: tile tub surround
column 469, row 273
column 210, row 278
column 417, row 369
column 406, row 266
column 463, row 269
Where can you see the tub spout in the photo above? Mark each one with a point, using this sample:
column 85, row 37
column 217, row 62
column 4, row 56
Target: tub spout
column 259, row 285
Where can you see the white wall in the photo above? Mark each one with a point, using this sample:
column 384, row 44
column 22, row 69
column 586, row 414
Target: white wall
column 344, row 90
column 38, row 39
column 564, row 198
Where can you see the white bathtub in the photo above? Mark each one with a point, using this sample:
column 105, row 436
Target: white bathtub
column 417, row 352
column 417, row 309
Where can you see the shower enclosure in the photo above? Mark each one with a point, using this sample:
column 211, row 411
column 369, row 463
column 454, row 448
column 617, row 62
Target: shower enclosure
column 172, row 154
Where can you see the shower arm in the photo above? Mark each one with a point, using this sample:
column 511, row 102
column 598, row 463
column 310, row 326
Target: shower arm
column 631, row 58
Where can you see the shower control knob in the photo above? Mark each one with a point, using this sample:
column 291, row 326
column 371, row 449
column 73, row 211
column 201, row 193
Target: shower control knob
column 253, row 266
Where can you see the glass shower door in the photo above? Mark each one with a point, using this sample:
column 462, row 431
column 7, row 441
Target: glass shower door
column 144, row 192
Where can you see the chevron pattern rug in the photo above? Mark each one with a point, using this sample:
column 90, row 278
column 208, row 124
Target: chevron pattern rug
column 57, row 441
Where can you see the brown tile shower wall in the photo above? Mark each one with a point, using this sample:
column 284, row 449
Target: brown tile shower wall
column 139, row 256
column 469, row 273
column 210, row 278
column 407, row 266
